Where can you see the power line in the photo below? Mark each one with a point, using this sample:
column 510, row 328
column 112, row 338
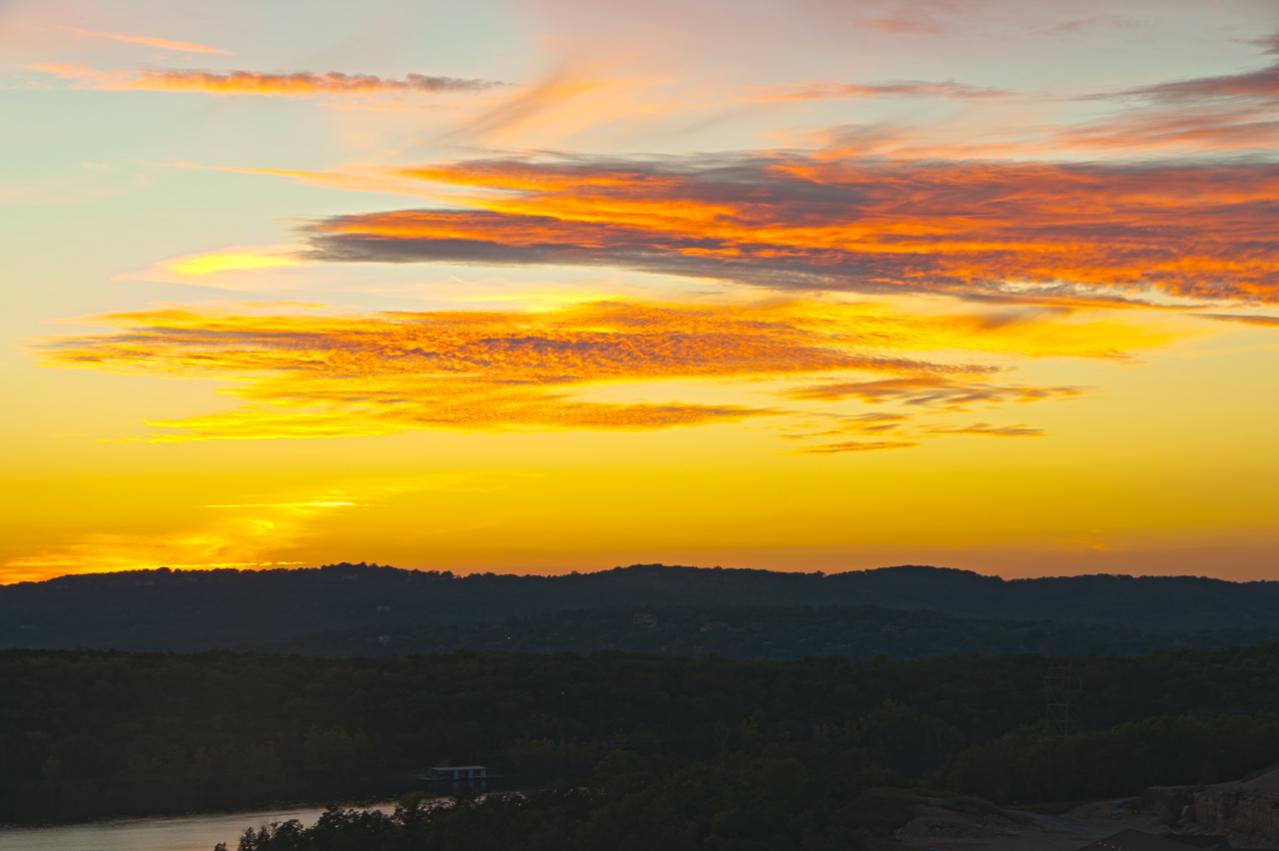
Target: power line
column 1061, row 694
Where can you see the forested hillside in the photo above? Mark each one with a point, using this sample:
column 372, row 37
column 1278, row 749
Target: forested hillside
column 198, row 610
column 766, row 632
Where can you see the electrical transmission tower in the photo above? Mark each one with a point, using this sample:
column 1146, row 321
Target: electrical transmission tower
column 1061, row 692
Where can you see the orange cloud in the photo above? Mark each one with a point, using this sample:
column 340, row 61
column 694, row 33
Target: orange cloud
column 1015, row 231
column 299, row 84
column 308, row 376
column 319, row 376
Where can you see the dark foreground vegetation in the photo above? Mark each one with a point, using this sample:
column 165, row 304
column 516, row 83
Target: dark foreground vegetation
column 273, row 610
column 773, row 632
column 799, row 797
column 86, row 735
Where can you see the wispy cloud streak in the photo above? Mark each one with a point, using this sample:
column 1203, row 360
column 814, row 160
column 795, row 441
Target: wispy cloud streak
column 169, row 44
column 946, row 90
column 932, row 390
column 1262, row 84
column 298, row 84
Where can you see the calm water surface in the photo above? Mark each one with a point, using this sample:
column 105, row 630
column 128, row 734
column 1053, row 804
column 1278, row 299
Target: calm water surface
column 178, row 833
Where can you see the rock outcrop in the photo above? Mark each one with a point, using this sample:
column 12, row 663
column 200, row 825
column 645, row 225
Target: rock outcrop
column 1247, row 812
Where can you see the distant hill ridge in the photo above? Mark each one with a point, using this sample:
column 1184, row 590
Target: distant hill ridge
column 182, row 610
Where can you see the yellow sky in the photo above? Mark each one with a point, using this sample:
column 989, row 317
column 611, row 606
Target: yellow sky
column 487, row 303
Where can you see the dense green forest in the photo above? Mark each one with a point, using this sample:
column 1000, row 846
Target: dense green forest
column 92, row 734
column 774, row 632
column 172, row 610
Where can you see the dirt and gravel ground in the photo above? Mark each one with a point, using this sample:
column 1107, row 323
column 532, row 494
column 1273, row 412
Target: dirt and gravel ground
column 945, row 829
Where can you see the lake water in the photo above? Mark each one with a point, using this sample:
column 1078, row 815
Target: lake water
column 177, row 833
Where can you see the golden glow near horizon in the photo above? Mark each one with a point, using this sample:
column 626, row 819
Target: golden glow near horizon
column 996, row 289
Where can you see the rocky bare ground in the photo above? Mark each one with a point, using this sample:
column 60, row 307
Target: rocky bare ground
column 937, row 825
column 1246, row 811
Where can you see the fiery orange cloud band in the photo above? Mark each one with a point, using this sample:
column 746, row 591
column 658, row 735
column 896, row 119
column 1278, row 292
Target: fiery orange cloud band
column 1018, row 231
column 309, row 375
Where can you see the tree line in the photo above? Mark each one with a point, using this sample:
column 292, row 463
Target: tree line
column 177, row 610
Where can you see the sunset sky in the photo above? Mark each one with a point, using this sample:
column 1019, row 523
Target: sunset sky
column 554, row 285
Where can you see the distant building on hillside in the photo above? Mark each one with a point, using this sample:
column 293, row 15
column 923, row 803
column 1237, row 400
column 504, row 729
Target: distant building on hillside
column 1136, row 840
column 445, row 779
